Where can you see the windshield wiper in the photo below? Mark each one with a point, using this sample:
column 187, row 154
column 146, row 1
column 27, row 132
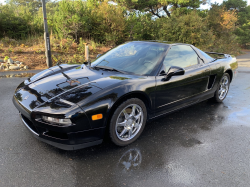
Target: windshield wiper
column 110, row 69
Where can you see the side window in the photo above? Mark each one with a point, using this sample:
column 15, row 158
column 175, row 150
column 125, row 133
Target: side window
column 207, row 57
column 180, row 55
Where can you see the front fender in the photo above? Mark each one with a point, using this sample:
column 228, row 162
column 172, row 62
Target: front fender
column 103, row 101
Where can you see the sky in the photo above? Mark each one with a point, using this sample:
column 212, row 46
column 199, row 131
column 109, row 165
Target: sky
column 202, row 6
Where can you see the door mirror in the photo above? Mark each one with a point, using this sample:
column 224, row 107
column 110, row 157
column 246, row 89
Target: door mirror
column 173, row 71
column 97, row 56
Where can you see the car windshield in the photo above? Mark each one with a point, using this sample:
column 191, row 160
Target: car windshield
column 139, row 58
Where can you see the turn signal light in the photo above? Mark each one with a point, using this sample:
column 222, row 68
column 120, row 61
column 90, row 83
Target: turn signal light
column 96, row 117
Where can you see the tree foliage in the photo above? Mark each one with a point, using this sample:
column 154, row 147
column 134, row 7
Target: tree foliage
column 234, row 4
column 70, row 19
column 108, row 22
column 34, row 5
column 190, row 28
column 159, row 8
column 219, row 29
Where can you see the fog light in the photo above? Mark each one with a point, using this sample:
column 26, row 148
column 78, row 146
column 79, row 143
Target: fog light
column 56, row 120
column 96, row 117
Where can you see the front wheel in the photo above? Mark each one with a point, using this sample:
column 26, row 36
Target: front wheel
column 223, row 88
column 128, row 121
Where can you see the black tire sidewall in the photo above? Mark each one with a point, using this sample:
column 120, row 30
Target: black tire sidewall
column 216, row 95
column 112, row 127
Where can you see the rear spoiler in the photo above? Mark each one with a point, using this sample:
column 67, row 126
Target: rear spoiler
column 225, row 55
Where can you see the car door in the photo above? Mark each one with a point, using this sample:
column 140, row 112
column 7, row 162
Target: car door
column 181, row 90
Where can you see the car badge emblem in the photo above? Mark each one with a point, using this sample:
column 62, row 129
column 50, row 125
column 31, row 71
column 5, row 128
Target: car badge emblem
column 26, row 97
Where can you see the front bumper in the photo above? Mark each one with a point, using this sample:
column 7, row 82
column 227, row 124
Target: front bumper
column 65, row 140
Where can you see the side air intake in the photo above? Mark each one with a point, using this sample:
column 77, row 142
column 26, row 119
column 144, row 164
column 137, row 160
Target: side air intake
column 211, row 81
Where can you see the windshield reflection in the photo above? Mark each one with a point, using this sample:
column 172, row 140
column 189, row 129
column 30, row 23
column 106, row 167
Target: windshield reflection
column 139, row 58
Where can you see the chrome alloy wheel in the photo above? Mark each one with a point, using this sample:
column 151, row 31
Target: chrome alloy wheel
column 129, row 122
column 224, row 87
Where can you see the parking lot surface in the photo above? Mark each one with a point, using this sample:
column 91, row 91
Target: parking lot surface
column 207, row 144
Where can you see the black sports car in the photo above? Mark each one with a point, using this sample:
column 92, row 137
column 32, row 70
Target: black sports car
column 72, row 106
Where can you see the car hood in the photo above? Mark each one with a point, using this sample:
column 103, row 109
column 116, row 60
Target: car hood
column 73, row 85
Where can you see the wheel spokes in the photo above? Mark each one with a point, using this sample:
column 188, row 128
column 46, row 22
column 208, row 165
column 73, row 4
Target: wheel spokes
column 224, row 86
column 226, row 82
column 137, row 125
column 129, row 133
column 121, row 124
column 137, row 116
column 125, row 114
column 129, row 122
column 133, row 110
column 123, row 132
column 222, row 93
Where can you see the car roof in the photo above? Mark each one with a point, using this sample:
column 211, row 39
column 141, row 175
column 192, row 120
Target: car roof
column 160, row 41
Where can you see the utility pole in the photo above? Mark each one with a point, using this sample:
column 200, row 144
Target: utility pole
column 46, row 37
column 87, row 53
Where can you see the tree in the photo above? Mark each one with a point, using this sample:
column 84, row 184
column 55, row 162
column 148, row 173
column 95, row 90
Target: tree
column 160, row 8
column 34, row 4
column 234, row 4
column 221, row 20
column 243, row 12
column 140, row 26
column 15, row 24
column 243, row 34
column 190, row 28
column 71, row 19
column 108, row 22
column 222, row 23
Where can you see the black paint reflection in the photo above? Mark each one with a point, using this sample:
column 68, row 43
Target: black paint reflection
column 80, row 94
column 19, row 97
column 68, row 85
column 55, row 104
column 55, row 92
column 34, row 104
column 37, row 94
column 119, row 78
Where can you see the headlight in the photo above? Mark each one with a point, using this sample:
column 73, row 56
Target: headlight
column 56, row 120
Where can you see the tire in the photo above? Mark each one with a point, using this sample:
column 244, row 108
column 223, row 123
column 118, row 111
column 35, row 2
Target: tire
column 126, row 126
column 222, row 87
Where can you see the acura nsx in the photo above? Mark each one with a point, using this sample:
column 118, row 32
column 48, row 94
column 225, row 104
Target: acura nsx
column 73, row 106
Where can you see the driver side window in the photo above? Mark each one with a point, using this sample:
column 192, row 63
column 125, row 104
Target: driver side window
column 180, row 55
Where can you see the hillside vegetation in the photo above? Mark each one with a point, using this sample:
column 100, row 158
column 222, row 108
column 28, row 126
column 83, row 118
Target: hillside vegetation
column 104, row 24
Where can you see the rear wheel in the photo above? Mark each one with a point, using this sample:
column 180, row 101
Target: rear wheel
column 128, row 121
column 223, row 88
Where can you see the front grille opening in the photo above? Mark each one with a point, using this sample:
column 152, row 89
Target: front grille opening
column 29, row 123
column 58, row 135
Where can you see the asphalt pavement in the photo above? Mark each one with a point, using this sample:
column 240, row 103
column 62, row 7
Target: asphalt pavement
column 207, row 144
column 244, row 59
